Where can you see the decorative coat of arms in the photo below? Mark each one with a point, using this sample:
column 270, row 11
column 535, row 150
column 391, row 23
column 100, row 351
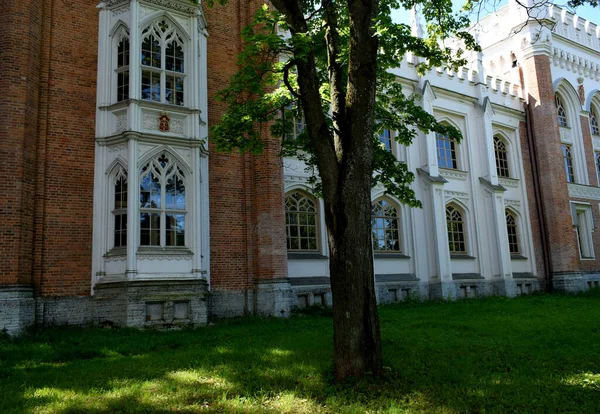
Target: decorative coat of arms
column 164, row 123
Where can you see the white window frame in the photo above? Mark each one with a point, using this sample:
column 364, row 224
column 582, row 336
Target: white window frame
column 172, row 35
column 583, row 224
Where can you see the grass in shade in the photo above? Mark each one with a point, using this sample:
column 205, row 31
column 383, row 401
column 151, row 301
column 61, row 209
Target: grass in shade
column 530, row 354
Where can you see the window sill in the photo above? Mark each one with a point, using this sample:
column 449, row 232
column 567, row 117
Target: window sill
column 116, row 252
column 306, row 256
column 518, row 257
column 458, row 256
column 381, row 255
column 171, row 251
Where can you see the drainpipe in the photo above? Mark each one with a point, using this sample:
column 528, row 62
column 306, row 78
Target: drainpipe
column 537, row 191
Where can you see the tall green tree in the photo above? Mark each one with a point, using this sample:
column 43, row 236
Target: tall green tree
column 329, row 61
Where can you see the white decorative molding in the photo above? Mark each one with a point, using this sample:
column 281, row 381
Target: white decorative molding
column 117, row 148
column 455, row 174
column 584, row 191
column 181, row 6
column 515, row 204
column 508, row 182
column 566, row 135
column 185, row 154
column 120, row 11
column 113, row 3
column 161, row 257
column 575, row 64
column 121, row 122
column 120, row 258
column 150, row 122
column 176, row 126
column 456, row 194
column 596, row 142
column 144, row 148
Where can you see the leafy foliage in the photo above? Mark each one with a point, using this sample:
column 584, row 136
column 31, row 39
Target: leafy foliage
column 265, row 89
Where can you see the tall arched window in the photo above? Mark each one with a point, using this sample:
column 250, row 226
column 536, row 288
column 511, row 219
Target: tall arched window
column 385, row 137
column 120, row 209
column 513, row 233
column 123, row 70
column 385, row 225
column 456, row 230
column 568, row 161
column 560, row 109
column 594, row 123
column 446, row 152
column 301, row 219
column 162, row 203
column 162, row 63
column 501, row 157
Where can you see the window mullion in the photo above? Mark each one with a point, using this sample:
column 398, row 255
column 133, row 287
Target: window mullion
column 163, row 214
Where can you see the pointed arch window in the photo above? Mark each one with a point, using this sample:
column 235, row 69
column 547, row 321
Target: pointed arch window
column 301, row 218
column 162, row 203
column 513, row 232
column 385, row 226
column 456, row 230
column 501, row 154
column 163, row 60
column 122, row 69
column 446, row 152
column 594, row 124
column 295, row 121
column 120, row 209
column 560, row 109
column 568, row 162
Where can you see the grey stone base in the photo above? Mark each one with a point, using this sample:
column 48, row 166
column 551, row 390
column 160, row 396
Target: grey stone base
column 575, row 282
column 150, row 303
column 272, row 297
column 17, row 308
column 60, row 311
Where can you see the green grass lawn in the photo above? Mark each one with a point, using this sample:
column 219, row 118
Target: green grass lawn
column 531, row 354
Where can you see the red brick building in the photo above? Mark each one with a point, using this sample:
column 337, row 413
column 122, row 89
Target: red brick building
column 117, row 209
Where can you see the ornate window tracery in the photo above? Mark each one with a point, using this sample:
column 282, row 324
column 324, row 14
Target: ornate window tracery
column 501, row 154
column 385, row 226
column 594, row 124
column 513, row 233
column 120, row 209
column 162, row 203
column 561, row 113
column 162, row 62
column 301, row 219
column 456, row 230
column 122, row 69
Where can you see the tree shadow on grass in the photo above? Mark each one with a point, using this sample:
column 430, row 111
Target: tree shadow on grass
column 442, row 359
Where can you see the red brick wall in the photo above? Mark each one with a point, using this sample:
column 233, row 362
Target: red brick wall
column 531, row 200
column 589, row 150
column 246, row 191
column 48, row 72
column 564, row 254
column 19, row 79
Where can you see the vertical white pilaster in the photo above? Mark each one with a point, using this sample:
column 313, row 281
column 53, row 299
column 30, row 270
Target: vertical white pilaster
column 133, row 221
column 441, row 233
column 502, row 242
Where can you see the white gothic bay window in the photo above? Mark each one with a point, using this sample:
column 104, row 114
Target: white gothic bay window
column 162, row 64
column 162, row 203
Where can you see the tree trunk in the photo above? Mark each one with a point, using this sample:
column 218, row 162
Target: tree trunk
column 357, row 344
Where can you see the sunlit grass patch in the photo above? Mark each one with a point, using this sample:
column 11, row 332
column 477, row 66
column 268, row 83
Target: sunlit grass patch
column 530, row 354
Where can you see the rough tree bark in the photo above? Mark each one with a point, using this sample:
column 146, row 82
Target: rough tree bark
column 345, row 162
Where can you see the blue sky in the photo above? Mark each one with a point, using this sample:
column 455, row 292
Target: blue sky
column 587, row 12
